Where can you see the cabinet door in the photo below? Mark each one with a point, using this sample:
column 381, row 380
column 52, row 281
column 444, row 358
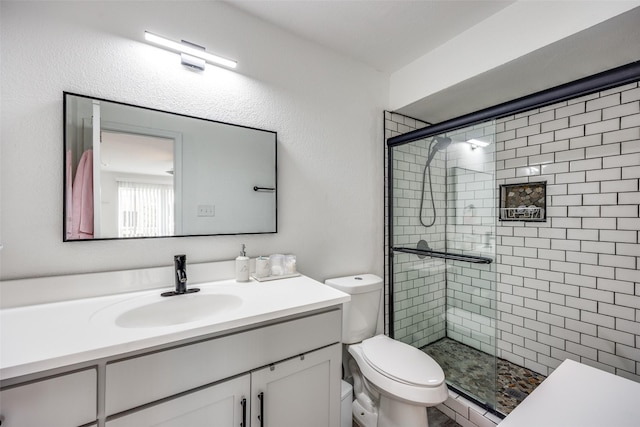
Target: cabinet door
column 64, row 401
column 303, row 391
column 224, row 404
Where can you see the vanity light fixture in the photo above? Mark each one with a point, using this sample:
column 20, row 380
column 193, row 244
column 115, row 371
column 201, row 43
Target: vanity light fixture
column 192, row 55
column 475, row 143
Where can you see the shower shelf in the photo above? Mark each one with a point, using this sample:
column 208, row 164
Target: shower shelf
column 445, row 255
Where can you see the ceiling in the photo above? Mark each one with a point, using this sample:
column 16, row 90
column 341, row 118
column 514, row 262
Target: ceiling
column 389, row 34
column 384, row 34
column 136, row 154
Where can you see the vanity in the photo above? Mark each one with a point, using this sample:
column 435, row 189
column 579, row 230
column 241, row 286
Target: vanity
column 233, row 354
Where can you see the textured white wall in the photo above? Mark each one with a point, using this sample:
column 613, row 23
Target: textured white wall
column 326, row 109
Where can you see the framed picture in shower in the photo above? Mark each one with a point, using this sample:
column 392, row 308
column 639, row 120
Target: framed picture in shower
column 523, row 202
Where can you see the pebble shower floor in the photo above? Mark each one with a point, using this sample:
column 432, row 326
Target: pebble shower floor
column 473, row 371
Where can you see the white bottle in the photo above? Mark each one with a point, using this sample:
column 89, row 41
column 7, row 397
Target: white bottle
column 242, row 266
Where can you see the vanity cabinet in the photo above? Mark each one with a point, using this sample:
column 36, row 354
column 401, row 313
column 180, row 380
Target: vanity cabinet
column 62, row 401
column 288, row 373
column 295, row 392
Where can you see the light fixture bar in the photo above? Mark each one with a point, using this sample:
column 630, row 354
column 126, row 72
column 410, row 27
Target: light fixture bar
column 187, row 49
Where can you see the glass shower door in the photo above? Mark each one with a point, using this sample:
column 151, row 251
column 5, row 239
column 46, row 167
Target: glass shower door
column 443, row 281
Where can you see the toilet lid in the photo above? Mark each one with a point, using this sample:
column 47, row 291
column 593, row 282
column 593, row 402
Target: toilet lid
column 402, row 362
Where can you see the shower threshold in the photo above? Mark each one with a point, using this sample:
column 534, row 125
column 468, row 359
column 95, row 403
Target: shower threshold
column 474, row 372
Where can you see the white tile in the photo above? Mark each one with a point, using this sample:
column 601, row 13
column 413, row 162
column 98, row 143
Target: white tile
column 586, row 141
column 603, row 102
column 604, row 174
column 464, row 422
column 555, row 146
column 581, row 119
column 480, row 420
column 602, row 127
column 572, row 132
column 517, row 123
column 622, row 185
column 584, row 211
column 545, row 116
column 625, row 211
column 603, row 150
column 618, row 312
column 541, row 138
column 568, row 200
column 458, row 406
column 541, row 159
column 597, row 295
column 630, row 249
column 621, row 110
column 571, row 110
column 629, row 134
column 632, row 159
column 613, row 335
column 629, row 198
column 627, row 275
column 568, row 155
column 599, row 223
column 631, row 95
column 597, row 271
column 600, row 199
column 550, row 168
column 564, row 178
column 528, row 130
column 630, row 121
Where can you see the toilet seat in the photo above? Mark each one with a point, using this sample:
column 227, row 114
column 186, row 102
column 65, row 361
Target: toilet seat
column 401, row 362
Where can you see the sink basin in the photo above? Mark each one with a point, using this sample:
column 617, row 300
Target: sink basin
column 170, row 311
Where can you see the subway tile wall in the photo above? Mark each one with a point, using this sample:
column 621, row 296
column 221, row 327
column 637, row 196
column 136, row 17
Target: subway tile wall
column 570, row 287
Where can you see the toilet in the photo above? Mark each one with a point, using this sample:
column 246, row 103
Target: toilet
column 393, row 382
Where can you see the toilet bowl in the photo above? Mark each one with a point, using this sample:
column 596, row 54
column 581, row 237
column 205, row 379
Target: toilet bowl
column 393, row 382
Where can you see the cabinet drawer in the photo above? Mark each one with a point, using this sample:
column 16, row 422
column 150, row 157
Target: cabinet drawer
column 147, row 378
column 64, row 401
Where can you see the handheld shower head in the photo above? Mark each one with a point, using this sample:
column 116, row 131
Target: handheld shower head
column 441, row 143
column 438, row 143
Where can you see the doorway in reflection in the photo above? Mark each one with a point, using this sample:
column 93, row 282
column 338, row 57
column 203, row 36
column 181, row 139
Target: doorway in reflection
column 137, row 185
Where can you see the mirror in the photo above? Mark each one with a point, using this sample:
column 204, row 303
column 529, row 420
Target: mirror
column 134, row 172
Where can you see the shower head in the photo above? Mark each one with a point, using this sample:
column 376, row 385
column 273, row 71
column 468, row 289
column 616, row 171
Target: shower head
column 441, row 143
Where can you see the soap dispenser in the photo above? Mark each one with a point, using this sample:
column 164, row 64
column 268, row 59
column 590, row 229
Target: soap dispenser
column 242, row 266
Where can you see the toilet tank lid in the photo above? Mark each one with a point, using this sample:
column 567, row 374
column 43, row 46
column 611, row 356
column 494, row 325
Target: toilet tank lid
column 357, row 284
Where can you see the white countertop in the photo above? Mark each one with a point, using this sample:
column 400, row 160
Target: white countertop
column 48, row 336
column 577, row 395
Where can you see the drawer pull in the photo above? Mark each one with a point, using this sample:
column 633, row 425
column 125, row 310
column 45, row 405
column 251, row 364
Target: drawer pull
column 243, row 402
column 261, row 416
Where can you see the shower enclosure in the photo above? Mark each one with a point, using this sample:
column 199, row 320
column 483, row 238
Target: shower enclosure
column 442, row 227
column 476, row 283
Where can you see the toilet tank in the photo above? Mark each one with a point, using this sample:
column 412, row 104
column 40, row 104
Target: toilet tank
column 360, row 315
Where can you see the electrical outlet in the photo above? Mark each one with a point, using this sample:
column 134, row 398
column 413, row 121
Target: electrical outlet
column 206, row 210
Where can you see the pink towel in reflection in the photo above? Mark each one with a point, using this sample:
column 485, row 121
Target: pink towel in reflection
column 82, row 205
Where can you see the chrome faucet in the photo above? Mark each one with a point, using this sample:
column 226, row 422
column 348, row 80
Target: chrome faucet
column 180, row 264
